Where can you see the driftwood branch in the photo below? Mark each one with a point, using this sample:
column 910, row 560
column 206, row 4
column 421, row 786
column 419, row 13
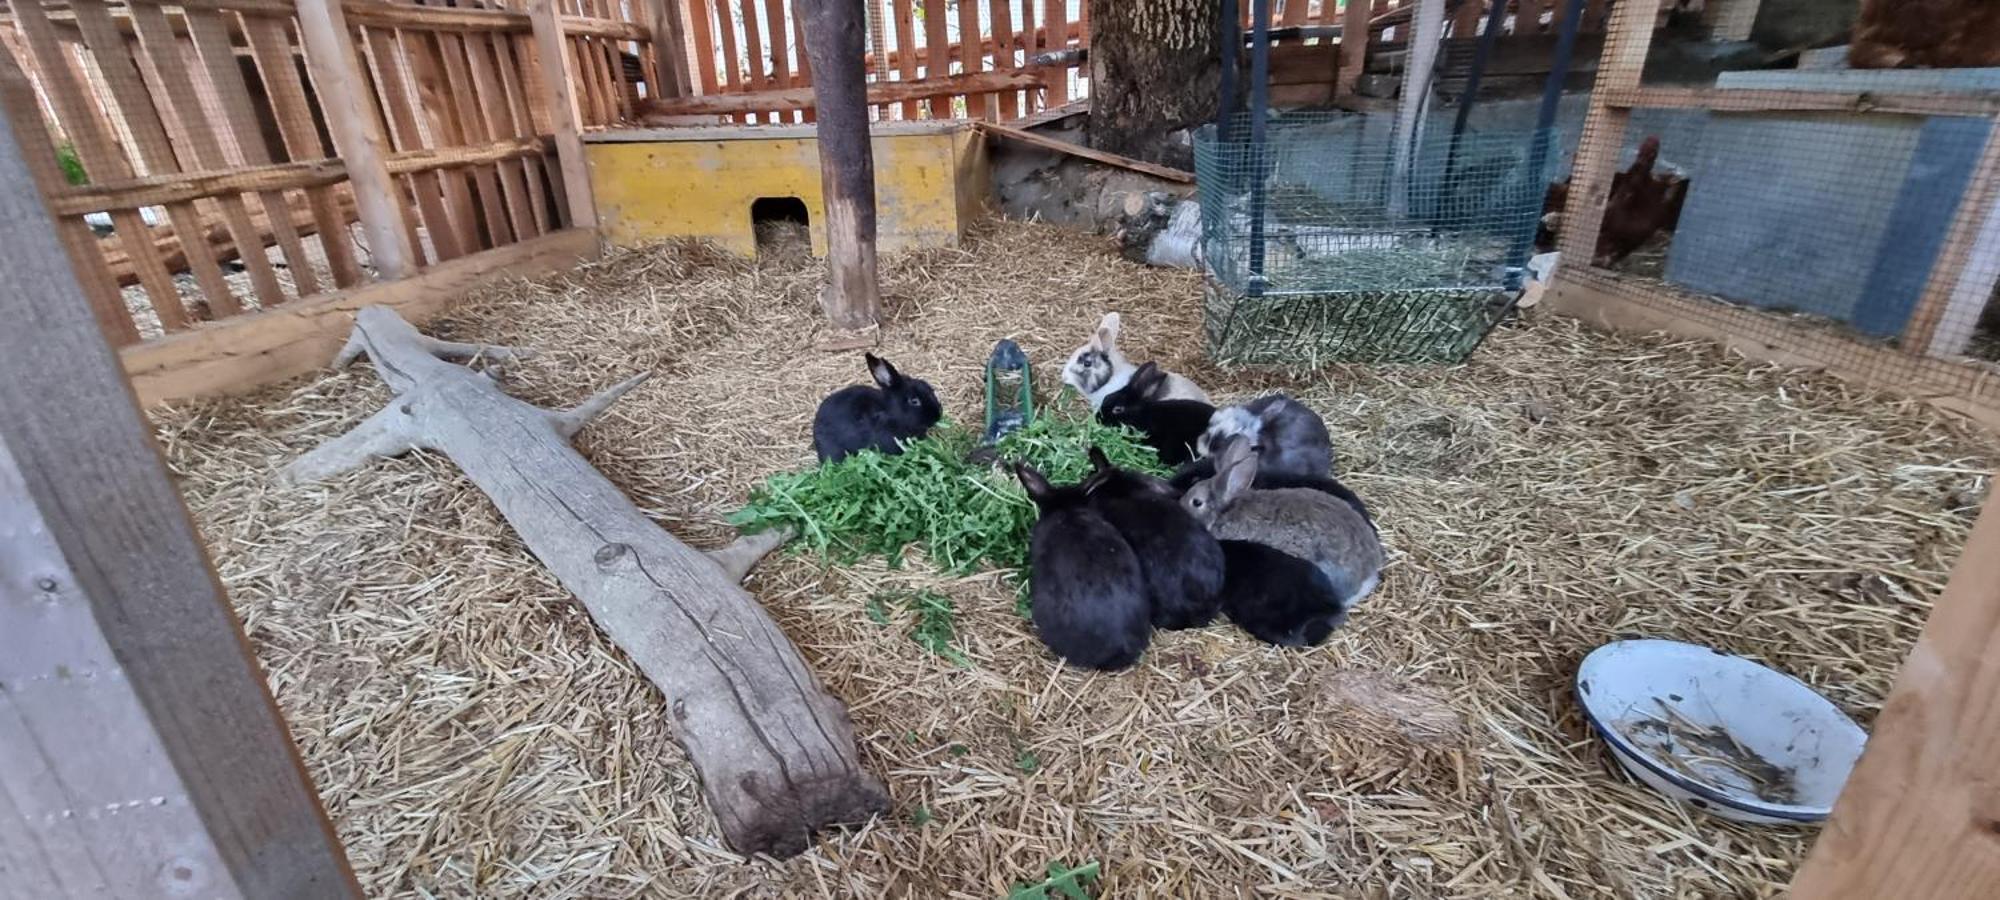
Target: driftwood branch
column 775, row 751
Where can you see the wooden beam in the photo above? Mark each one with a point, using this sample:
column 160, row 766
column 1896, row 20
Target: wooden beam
column 835, row 38
column 878, row 92
column 1354, row 35
column 1163, row 173
column 1968, row 103
column 560, row 90
column 1920, row 816
column 356, row 127
column 141, row 754
column 1628, row 36
column 245, row 352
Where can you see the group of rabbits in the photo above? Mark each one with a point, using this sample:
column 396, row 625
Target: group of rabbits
column 1252, row 525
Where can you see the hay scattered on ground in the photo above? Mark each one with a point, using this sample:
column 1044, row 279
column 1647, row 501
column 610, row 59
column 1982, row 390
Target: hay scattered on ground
column 473, row 735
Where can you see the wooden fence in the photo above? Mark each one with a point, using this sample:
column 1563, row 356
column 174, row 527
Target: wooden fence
column 210, row 158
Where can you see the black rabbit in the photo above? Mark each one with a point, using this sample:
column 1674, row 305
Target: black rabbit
column 859, row 417
column 1172, row 427
column 1277, row 597
column 1180, row 560
column 1087, row 594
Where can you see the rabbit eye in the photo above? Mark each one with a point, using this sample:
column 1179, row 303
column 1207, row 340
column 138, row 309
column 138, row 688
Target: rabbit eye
column 1197, row 502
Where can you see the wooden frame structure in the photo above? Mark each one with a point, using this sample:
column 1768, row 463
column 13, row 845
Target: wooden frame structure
column 1919, row 817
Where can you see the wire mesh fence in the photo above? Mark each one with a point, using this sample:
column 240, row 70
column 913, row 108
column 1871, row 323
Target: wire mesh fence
column 1335, row 241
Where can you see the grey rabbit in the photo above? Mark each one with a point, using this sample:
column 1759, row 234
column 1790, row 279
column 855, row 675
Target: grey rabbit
column 858, row 417
column 1180, row 560
column 1087, row 593
column 1203, row 469
column 1309, row 524
column 1293, row 439
column 1172, row 427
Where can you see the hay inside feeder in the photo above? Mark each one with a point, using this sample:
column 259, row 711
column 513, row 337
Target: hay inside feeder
column 473, row 735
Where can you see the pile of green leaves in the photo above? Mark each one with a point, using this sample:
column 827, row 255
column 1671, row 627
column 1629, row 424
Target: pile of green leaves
column 965, row 513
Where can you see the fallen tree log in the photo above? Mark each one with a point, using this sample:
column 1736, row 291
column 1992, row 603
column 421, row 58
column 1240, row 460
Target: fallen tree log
column 774, row 750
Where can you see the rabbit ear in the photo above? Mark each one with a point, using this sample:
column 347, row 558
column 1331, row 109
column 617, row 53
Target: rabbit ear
column 1148, row 375
column 1031, row 480
column 1098, row 460
column 884, row 374
column 1237, row 469
column 1107, row 332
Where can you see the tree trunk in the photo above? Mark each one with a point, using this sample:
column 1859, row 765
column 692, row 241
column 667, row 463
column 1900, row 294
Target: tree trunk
column 836, row 42
column 1155, row 68
column 775, row 751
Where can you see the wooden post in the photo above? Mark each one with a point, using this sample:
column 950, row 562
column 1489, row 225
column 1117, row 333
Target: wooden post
column 1353, row 47
column 1629, row 34
column 140, row 752
column 561, row 94
column 1416, row 96
column 1961, row 279
column 1920, row 817
column 357, row 133
column 836, row 43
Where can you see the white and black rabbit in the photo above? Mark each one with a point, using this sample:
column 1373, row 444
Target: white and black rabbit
column 1277, row 597
column 1312, row 525
column 1097, row 370
column 1181, row 561
column 1293, row 439
column 859, row 417
column 1172, row 427
column 1087, row 596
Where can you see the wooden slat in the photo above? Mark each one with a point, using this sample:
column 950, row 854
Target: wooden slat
column 474, row 131
column 392, row 88
column 971, row 61
column 197, row 137
column 130, row 687
column 1078, row 150
column 732, row 72
column 937, row 47
column 1918, row 816
column 181, row 187
column 17, row 94
column 876, row 65
column 510, row 58
column 1294, row 12
column 295, row 126
column 1353, row 47
column 906, row 45
column 614, row 59
column 704, row 45
column 1001, row 12
column 1948, row 312
column 753, row 49
column 1464, row 20
column 562, row 111
column 353, row 120
column 1968, row 103
column 878, row 92
column 1033, row 40
column 1056, row 37
column 780, row 30
column 90, row 132
column 804, row 78
column 498, row 112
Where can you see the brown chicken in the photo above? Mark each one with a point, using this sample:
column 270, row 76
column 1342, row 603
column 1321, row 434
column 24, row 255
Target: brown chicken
column 1942, row 34
column 1640, row 205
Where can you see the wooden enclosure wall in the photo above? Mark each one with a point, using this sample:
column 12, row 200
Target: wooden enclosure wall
column 214, row 158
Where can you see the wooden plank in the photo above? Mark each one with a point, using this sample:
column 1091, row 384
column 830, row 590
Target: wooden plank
column 17, row 94
column 1465, row 18
column 1605, row 301
column 851, row 296
column 732, row 63
column 878, row 92
column 1353, row 47
column 971, row 61
column 937, row 48
column 1628, row 37
column 1961, row 279
column 1078, row 150
column 1730, row 20
column 1002, row 14
column 247, row 351
column 805, row 64
column 670, row 48
column 621, row 89
column 753, row 48
column 1056, row 37
column 355, row 123
column 476, row 131
column 129, row 683
column 437, row 97
column 1979, row 104
column 704, row 45
column 180, row 187
column 561, row 93
column 780, row 30
column 271, row 50
column 906, row 45
column 877, row 63
column 1918, row 816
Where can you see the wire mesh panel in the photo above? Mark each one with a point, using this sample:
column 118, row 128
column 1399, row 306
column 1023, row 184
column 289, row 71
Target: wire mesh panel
column 1334, row 241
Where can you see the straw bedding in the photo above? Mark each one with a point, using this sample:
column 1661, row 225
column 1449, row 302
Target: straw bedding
column 473, row 735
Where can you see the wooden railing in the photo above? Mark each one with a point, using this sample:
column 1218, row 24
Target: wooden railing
column 209, row 158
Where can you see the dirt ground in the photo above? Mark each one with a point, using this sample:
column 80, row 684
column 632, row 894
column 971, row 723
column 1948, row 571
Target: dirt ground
column 472, row 734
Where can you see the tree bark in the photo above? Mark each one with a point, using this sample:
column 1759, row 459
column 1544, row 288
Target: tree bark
column 836, row 42
column 775, row 751
column 1155, row 68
